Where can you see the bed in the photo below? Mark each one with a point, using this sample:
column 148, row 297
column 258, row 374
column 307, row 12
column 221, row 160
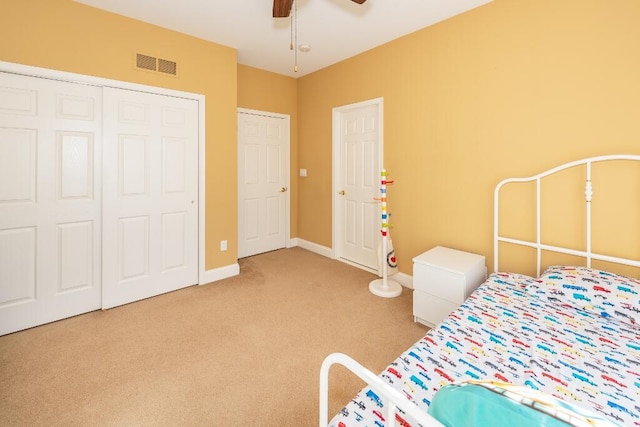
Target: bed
column 567, row 331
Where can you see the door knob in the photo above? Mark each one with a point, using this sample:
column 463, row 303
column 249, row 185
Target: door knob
column 342, row 193
column 283, row 189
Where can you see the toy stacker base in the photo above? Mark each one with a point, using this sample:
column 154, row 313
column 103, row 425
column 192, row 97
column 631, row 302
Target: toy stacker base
column 389, row 289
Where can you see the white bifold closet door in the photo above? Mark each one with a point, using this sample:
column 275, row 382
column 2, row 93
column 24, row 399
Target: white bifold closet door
column 150, row 195
column 50, row 202
column 98, row 198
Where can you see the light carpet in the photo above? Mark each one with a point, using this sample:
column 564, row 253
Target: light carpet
column 241, row 351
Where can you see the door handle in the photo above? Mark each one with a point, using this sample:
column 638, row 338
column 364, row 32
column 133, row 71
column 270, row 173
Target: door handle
column 283, row 189
column 342, row 193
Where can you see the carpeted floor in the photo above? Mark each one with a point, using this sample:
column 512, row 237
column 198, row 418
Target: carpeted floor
column 242, row 351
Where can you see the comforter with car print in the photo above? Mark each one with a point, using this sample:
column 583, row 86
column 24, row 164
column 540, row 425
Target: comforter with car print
column 570, row 334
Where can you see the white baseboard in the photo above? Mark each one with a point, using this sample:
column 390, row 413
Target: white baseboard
column 316, row 248
column 234, row 269
column 220, row 273
column 404, row 279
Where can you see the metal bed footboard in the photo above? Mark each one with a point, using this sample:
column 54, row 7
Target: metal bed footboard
column 393, row 398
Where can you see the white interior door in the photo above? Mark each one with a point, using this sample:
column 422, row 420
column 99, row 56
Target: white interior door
column 357, row 136
column 50, row 230
column 150, row 197
column 263, row 180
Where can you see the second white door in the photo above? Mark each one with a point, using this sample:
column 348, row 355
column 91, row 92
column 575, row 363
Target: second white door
column 263, row 193
column 150, row 195
column 358, row 149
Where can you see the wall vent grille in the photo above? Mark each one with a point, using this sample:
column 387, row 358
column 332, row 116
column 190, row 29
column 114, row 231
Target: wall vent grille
column 151, row 63
column 146, row 62
column 167, row 67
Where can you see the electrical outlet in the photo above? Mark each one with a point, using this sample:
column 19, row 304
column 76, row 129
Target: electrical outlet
column 223, row 245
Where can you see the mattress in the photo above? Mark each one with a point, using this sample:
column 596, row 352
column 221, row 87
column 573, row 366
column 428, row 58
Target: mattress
column 571, row 338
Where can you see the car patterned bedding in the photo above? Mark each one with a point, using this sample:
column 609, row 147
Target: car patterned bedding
column 572, row 334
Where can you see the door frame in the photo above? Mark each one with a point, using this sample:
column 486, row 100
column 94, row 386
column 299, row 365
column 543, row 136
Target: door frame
column 337, row 157
column 46, row 73
column 287, row 166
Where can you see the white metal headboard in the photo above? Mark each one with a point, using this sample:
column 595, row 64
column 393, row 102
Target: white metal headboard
column 537, row 244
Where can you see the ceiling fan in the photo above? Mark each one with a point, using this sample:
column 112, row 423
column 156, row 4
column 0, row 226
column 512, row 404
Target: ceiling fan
column 282, row 8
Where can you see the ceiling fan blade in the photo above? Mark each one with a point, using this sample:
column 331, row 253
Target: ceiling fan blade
column 282, row 8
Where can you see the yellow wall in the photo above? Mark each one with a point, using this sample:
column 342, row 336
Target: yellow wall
column 508, row 89
column 68, row 36
column 265, row 91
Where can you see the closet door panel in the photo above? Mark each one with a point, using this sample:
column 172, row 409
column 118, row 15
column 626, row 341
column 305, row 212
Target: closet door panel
column 150, row 195
column 50, row 206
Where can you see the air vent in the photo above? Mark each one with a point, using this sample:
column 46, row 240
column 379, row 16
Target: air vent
column 167, row 67
column 146, row 62
column 151, row 63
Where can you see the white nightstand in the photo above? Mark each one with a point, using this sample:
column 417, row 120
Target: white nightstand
column 442, row 279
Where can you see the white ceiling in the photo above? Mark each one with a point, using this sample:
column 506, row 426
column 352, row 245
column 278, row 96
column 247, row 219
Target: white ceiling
column 335, row 29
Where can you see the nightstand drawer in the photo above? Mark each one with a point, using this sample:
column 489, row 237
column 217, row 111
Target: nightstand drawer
column 429, row 309
column 441, row 283
column 448, row 273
